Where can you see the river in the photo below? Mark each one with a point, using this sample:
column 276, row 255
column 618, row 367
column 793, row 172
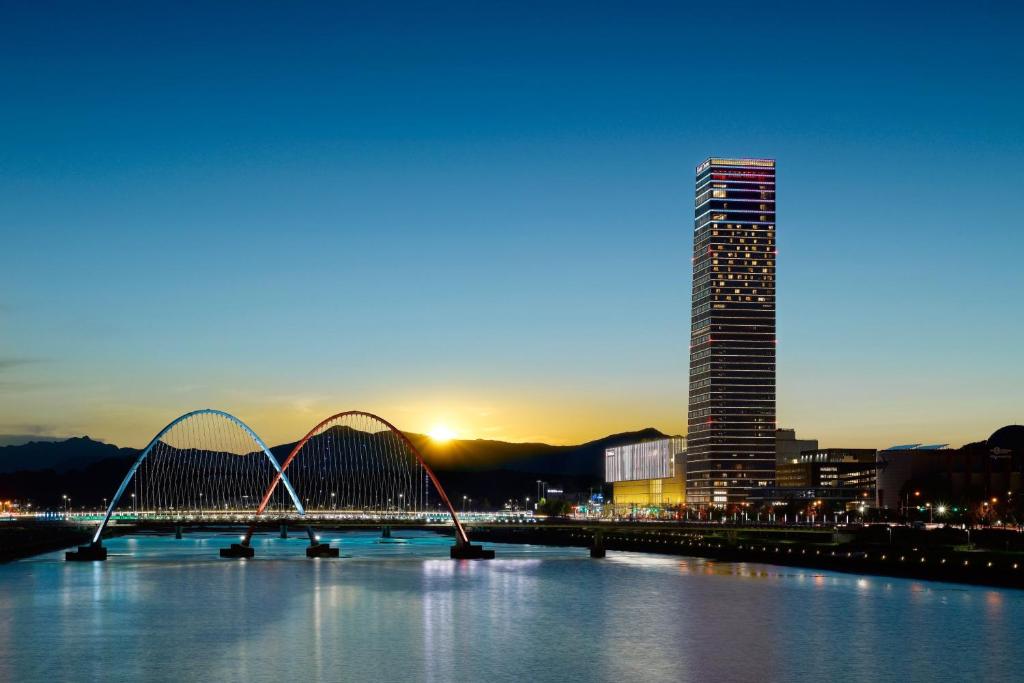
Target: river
column 162, row 609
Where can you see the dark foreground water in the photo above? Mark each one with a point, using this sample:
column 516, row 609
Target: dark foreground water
column 161, row 609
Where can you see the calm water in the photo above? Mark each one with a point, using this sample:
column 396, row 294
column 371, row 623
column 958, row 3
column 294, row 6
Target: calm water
column 162, row 609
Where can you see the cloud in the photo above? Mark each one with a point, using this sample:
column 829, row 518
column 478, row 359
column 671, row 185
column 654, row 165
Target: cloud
column 8, row 363
column 19, row 433
column 18, row 439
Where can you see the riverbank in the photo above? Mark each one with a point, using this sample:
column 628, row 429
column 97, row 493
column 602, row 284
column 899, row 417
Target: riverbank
column 984, row 567
column 20, row 539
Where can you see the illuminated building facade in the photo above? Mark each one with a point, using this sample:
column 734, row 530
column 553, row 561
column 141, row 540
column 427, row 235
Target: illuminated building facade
column 848, row 473
column 731, row 439
column 649, row 473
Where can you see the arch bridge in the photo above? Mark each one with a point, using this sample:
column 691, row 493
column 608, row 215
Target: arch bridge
column 210, row 463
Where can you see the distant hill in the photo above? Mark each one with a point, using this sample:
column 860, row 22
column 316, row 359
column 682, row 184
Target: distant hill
column 61, row 456
column 586, row 460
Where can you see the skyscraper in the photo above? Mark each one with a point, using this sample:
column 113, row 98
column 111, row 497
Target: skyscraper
column 731, row 439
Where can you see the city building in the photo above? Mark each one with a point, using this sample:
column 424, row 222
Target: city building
column 836, row 474
column 830, row 467
column 649, row 473
column 788, row 448
column 898, row 465
column 731, row 437
column 990, row 471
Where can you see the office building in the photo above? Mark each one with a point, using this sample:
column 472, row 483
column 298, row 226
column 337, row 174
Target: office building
column 731, row 438
column 850, row 469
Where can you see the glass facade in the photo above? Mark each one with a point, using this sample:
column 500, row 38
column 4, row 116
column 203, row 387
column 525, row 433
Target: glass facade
column 731, row 439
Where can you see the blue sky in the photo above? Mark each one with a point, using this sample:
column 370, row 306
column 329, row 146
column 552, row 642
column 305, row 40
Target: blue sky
column 481, row 214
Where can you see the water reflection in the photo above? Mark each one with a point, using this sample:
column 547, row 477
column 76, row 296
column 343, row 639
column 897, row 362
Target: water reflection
column 162, row 609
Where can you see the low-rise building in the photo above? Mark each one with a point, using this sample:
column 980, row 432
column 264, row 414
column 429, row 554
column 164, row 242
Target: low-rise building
column 835, row 475
column 990, row 471
column 830, row 467
column 649, row 473
column 898, row 465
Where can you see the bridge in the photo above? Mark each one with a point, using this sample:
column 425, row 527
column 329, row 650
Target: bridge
column 211, row 465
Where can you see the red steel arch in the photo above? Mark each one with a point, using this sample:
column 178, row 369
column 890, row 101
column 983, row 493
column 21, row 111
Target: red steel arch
column 461, row 537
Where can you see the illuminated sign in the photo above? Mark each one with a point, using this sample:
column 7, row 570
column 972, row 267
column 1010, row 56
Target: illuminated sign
column 745, row 163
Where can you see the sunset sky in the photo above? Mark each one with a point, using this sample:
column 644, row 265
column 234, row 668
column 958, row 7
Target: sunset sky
column 480, row 215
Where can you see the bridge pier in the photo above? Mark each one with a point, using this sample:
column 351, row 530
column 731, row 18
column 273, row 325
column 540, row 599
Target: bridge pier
column 322, row 550
column 597, row 545
column 94, row 552
column 318, row 549
column 238, row 551
column 284, row 531
column 385, row 532
column 463, row 550
column 177, row 532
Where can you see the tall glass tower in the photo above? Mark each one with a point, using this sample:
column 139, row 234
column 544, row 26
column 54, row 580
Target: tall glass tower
column 731, row 439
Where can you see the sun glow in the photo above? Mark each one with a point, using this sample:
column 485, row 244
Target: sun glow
column 441, row 433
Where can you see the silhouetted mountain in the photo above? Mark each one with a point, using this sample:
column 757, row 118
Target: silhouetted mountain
column 585, row 460
column 60, row 456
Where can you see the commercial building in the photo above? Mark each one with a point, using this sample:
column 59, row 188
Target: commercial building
column 985, row 476
column 830, row 467
column 898, row 465
column 990, row 473
column 649, row 473
column 843, row 474
column 731, row 438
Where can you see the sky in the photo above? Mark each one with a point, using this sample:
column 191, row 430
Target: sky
column 480, row 214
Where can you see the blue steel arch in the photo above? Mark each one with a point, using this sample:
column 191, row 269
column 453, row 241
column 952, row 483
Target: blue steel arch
column 205, row 411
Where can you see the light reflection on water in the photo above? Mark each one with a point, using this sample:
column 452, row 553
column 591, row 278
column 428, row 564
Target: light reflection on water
column 162, row 609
